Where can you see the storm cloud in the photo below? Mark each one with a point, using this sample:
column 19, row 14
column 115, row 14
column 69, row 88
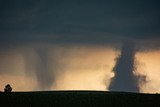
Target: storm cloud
column 79, row 22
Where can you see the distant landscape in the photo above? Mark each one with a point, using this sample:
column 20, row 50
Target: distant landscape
column 78, row 98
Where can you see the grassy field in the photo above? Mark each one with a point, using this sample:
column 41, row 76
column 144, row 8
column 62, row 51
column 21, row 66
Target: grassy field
column 78, row 98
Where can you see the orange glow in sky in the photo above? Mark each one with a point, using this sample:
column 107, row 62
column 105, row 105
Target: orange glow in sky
column 82, row 68
column 149, row 65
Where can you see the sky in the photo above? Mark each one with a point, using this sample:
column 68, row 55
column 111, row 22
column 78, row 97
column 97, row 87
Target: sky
column 79, row 44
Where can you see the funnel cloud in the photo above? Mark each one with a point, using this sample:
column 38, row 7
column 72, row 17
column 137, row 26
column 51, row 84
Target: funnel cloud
column 124, row 79
column 37, row 63
column 44, row 76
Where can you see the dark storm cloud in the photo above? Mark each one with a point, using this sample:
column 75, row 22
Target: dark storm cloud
column 82, row 21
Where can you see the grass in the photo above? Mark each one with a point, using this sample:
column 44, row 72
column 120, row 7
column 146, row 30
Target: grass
column 78, row 98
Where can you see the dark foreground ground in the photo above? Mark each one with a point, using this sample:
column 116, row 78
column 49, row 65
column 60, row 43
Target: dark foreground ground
column 78, row 99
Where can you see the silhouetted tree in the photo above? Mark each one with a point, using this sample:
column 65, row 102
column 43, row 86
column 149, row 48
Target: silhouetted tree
column 8, row 88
